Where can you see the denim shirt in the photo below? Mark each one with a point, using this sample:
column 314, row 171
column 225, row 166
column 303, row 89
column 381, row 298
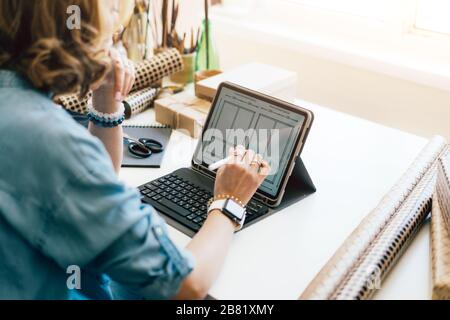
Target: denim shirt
column 62, row 207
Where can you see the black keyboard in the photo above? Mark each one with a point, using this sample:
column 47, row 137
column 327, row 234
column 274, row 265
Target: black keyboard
column 185, row 202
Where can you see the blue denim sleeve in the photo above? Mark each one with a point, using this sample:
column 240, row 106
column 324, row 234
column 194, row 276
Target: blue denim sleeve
column 100, row 224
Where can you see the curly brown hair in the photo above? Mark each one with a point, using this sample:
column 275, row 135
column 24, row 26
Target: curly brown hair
column 35, row 41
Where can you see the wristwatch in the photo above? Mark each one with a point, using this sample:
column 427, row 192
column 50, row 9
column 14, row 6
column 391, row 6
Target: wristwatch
column 230, row 209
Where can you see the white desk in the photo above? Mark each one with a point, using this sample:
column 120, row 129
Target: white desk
column 353, row 163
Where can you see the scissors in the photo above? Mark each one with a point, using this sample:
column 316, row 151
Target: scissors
column 142, row 148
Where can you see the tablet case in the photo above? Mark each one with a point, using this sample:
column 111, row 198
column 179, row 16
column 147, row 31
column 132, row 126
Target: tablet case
column 156, row 132
column 364, row 260
column 299, row 187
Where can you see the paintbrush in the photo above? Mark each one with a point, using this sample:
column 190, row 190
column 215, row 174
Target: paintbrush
column 164, row 12
column 207, row 32
column 192, row 48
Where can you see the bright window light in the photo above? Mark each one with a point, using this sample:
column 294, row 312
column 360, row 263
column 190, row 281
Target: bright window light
column 433, row 15
column 365, row 8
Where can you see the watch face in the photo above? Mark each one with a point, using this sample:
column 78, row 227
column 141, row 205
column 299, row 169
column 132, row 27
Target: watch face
column 235, row 209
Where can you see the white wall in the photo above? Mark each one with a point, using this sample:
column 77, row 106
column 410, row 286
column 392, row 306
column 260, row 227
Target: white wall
column 390, row 101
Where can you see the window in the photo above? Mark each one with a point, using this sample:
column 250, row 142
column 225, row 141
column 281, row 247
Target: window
column 365, row 8
column 409, row 39
column 428, row 15
column 433, row 15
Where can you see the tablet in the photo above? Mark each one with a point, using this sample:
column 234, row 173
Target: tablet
column 273, row 128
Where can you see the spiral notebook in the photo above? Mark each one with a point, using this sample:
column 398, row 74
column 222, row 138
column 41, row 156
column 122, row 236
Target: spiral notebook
column 156, row 132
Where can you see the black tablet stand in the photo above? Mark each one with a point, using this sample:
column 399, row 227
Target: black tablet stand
column 299, row 187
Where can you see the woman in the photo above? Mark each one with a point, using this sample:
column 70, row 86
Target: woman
column 61, row 203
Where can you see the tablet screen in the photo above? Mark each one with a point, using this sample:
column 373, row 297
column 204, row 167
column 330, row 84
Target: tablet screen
column 268, row 129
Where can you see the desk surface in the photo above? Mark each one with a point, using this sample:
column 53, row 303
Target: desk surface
column 353, row 163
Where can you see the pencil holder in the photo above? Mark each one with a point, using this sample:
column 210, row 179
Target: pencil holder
column 187, row 74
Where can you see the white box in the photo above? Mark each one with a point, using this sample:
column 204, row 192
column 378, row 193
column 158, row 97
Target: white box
column 270, row 80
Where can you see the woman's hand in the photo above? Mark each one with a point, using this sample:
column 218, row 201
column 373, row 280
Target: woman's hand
column 242, row 176
column 117, row 84
column 107, row 98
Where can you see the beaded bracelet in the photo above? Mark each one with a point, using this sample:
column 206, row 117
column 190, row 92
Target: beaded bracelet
column 226, row 197
column 108, row 116
column 107, row 120
column 106, row 124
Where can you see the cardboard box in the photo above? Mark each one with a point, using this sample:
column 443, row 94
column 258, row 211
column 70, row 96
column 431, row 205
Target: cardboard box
column 183, row 112
column 273, row 81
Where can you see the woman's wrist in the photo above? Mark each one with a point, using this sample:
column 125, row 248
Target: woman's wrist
column 103, row 100
column 225, row 222
column 225, row 196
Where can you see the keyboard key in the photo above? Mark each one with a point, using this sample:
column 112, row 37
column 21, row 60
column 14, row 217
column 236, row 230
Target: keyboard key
column 157, row 198
column 178, row 209
column 151, row 186
column 191, row 216
column 198, row 220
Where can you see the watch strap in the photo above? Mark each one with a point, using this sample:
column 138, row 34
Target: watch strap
column 221, row 205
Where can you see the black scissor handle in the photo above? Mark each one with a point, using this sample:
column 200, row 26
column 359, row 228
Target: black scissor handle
column 139, row 150
column 153, row 145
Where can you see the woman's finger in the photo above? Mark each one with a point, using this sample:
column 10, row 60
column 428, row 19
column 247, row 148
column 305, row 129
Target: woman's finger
column 249, row 157
column 256, row 163
column 126, row 74
column 126, row 81
column 264, row 169
column 237, row 154
column 119, row 75
column 131, row 77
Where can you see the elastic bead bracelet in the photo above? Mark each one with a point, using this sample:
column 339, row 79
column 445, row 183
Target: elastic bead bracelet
column 106, row 124
column 107, row 120
column 226, row 197
column 107, row 117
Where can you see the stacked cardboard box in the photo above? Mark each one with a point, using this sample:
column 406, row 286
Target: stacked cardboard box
column 183, row 112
